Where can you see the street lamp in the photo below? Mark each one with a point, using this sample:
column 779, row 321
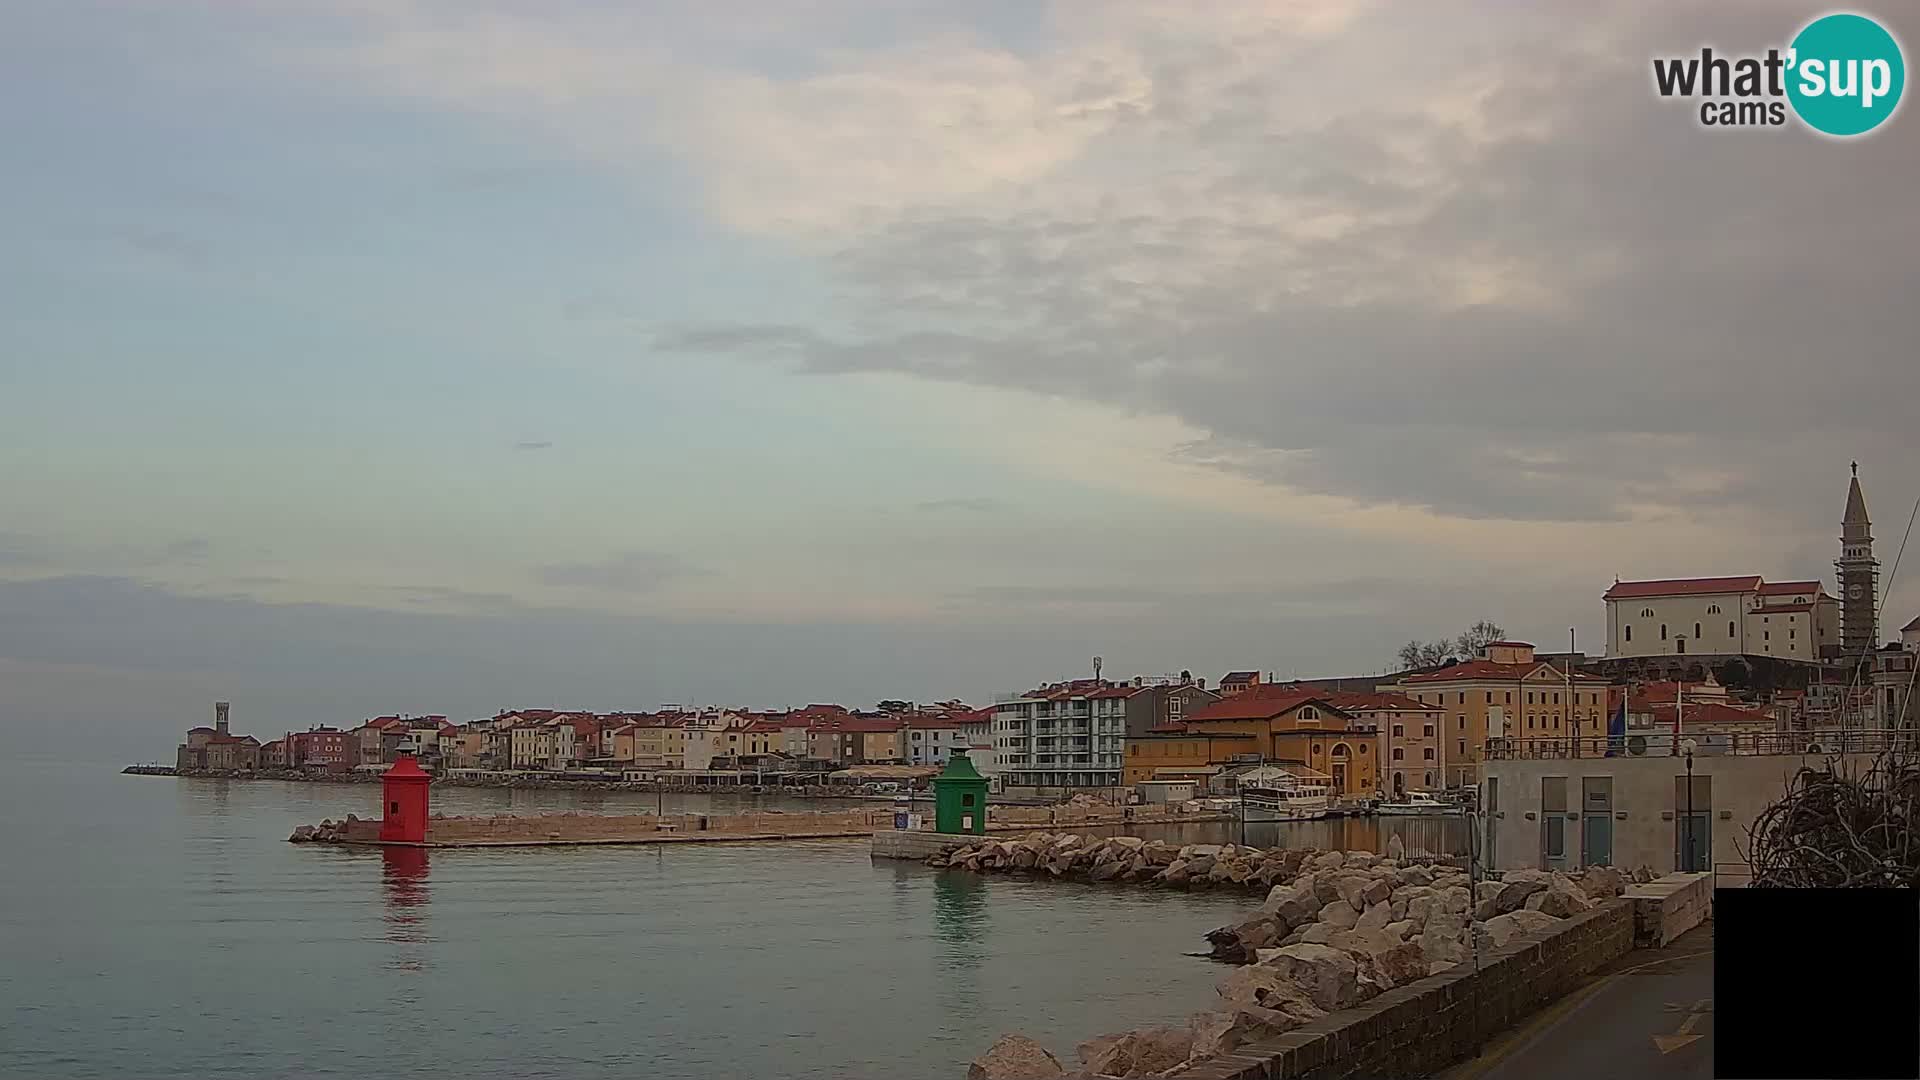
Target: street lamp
column 1686, row 833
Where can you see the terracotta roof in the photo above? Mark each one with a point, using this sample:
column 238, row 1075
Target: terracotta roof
column 1623, row 590
column 1258, row 703
column 1708, row 713
column 1116, row 692
column 1352, row 702
column 1487, row 669
column 1789, row 588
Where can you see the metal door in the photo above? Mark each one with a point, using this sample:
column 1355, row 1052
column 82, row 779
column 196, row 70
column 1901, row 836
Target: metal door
column 1489, row 815
column 1553, row 823
column 1693, row 825
column 1596, row 821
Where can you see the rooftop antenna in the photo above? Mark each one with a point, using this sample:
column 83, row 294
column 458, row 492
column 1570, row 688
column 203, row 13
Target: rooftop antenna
column 1097, row 661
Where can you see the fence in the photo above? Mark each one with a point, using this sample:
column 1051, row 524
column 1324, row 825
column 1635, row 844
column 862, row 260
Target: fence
column 1707, row 744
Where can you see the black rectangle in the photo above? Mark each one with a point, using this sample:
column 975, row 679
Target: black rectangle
column 1816, row 983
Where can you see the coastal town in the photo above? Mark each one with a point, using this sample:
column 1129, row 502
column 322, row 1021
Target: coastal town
column 1715, row 668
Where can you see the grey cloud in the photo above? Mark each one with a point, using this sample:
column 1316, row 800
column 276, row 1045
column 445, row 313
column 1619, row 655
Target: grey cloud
column 20, row 549
column 446, row 596
column 1665, row 300
column 533, row 446
column 632, row 571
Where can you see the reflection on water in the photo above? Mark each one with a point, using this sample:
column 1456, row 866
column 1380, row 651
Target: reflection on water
column 403, row 879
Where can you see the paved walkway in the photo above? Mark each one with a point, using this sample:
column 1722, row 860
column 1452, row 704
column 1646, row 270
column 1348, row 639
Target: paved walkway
column 1648, row 1015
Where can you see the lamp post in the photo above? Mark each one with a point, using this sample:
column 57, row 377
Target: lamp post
column 1686, row 833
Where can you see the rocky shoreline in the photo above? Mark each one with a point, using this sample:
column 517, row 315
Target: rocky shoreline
column 1336, row 929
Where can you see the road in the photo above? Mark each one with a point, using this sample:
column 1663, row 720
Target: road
column 1648, row 1015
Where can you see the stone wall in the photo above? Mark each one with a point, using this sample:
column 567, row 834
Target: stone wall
column 1428, row 1025
column 1667, row 907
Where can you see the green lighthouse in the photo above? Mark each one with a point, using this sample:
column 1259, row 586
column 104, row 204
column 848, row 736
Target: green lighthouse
column 960, row 797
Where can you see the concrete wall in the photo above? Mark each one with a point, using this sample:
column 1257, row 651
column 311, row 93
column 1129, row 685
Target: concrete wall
column 1646, row 804
column 1419, row 1029
column 917, row 846
column 1669, row 906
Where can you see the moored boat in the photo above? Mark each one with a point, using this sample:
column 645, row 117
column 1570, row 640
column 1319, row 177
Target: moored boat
column 1414, row 803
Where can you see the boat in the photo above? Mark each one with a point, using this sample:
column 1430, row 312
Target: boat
column 1416, row 802
column 1278, row 795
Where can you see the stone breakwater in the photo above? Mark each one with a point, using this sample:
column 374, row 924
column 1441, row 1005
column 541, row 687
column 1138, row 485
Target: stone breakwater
column 1336, row 929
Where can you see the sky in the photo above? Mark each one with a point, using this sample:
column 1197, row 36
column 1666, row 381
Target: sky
column 450, row 355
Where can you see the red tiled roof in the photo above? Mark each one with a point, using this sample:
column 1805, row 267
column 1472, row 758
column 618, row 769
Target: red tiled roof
column 1487, row 669
column 1116, row 692
column 1356, row 702
column 1788, row 588
column 1624, row 590
column 859, row 725
column 1257, row 703
column 1706, row 713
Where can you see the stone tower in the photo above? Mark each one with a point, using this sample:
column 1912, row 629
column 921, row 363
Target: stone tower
column 1859, row 574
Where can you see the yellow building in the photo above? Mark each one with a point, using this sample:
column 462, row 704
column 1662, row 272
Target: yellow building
column 1265, row 723
column 1507, row 694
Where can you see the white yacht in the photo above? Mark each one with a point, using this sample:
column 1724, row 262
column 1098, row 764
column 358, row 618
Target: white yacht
column 1416, row 802
column 1278, row 795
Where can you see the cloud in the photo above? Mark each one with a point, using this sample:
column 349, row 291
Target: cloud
column 20, row 549
column 533, row 446
column 629, row 572
column 975, row 504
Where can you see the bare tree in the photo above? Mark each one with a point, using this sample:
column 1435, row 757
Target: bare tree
column 1425, row 654
column 1478, row 636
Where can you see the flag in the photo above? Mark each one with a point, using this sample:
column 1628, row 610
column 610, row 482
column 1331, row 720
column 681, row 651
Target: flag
column 1617, row 729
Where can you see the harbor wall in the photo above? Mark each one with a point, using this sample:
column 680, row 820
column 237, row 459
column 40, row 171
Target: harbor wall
column 1426, row 1026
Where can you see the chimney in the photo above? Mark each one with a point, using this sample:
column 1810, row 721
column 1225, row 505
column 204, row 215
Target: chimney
column 220, row 716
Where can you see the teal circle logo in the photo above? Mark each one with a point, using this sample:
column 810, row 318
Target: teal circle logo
column 1845, row 75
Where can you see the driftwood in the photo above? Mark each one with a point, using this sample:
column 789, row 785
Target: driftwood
column 1841, row 828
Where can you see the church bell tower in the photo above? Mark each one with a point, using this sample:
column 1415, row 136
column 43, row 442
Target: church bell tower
column 1859, row 574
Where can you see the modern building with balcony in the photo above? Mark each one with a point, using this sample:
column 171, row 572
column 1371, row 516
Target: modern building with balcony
column 1064, row 737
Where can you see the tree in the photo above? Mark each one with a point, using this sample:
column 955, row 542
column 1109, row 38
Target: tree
column 1477, row 637
column 1425, row 654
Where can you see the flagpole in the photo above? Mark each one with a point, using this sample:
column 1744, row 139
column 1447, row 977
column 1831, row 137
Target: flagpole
column 1573, row 725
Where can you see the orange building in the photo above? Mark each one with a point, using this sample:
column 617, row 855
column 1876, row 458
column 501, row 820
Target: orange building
column 1267, row 723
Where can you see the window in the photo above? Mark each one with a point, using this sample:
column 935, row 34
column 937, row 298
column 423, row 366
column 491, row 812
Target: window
column 1463, row 748
column 1646, row 613
column 1629, row 633
column 1399, row 731
column 1696, row 630
column 1363, row 748
column 1309, row 713
column 1427, row 753
column 1509, row 697
column 1399, row 754
column 1460, row 722
column 1663, row 631
column 1713, row 609
column 1489, row 697
column 1766, row 635
column 1529, row 721
column 1556, row 699
column 1429, row 731
column 1791, row 634
column 1529, row 697
column 1463, row 698
column 1729, row 627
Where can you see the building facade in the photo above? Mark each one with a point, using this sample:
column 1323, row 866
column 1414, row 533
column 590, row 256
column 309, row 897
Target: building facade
column 1411, row 749
column 1299, row 728
column 1065, row 736
column 1725, row 616
column 1506, row 695
column 1153, row 705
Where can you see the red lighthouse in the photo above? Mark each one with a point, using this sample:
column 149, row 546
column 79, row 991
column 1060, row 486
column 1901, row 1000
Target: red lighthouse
column 404, row 790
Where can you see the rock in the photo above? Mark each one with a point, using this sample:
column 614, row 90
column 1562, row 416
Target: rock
column 1265, row 987
column 1175, row 874
column 1401, row 930
column 1015, row 1057
column 1329, row 976
column 301, row 834
column 1143, row 1053
column 1377, row 891
column 1096, row 1046
column 1339, row 916
column 1487, row 890
column 1237, row 944
column 1299, row 934
column 1199, row 865
column 1504, row 928
column 1352, row 888
column 1357, row 860
column 1025, row 857
column 1326, row 860
column 1396, row 848
column 1223, row 1032
column 1402, row 963
column 1513, row 895
column 1602, row 882
column 1131, row 843
column 1642, row 874
column 1375, row 918
column 1455, row 899
column 1316, row 933
column 1066, row 842
column 1413, row 876
column 1107, row 871
column 1486, row 909
column 1304, row 887
column 1561, row 899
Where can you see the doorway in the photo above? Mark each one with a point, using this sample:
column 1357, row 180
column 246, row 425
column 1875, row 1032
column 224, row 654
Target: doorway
column 1693, row 825
column 1596, row 821
column 1554, row 854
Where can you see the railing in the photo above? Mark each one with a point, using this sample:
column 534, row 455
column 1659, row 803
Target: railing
column 1707, row 744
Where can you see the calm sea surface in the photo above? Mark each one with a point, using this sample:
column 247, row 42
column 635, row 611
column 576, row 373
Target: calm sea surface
column 157, row 927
